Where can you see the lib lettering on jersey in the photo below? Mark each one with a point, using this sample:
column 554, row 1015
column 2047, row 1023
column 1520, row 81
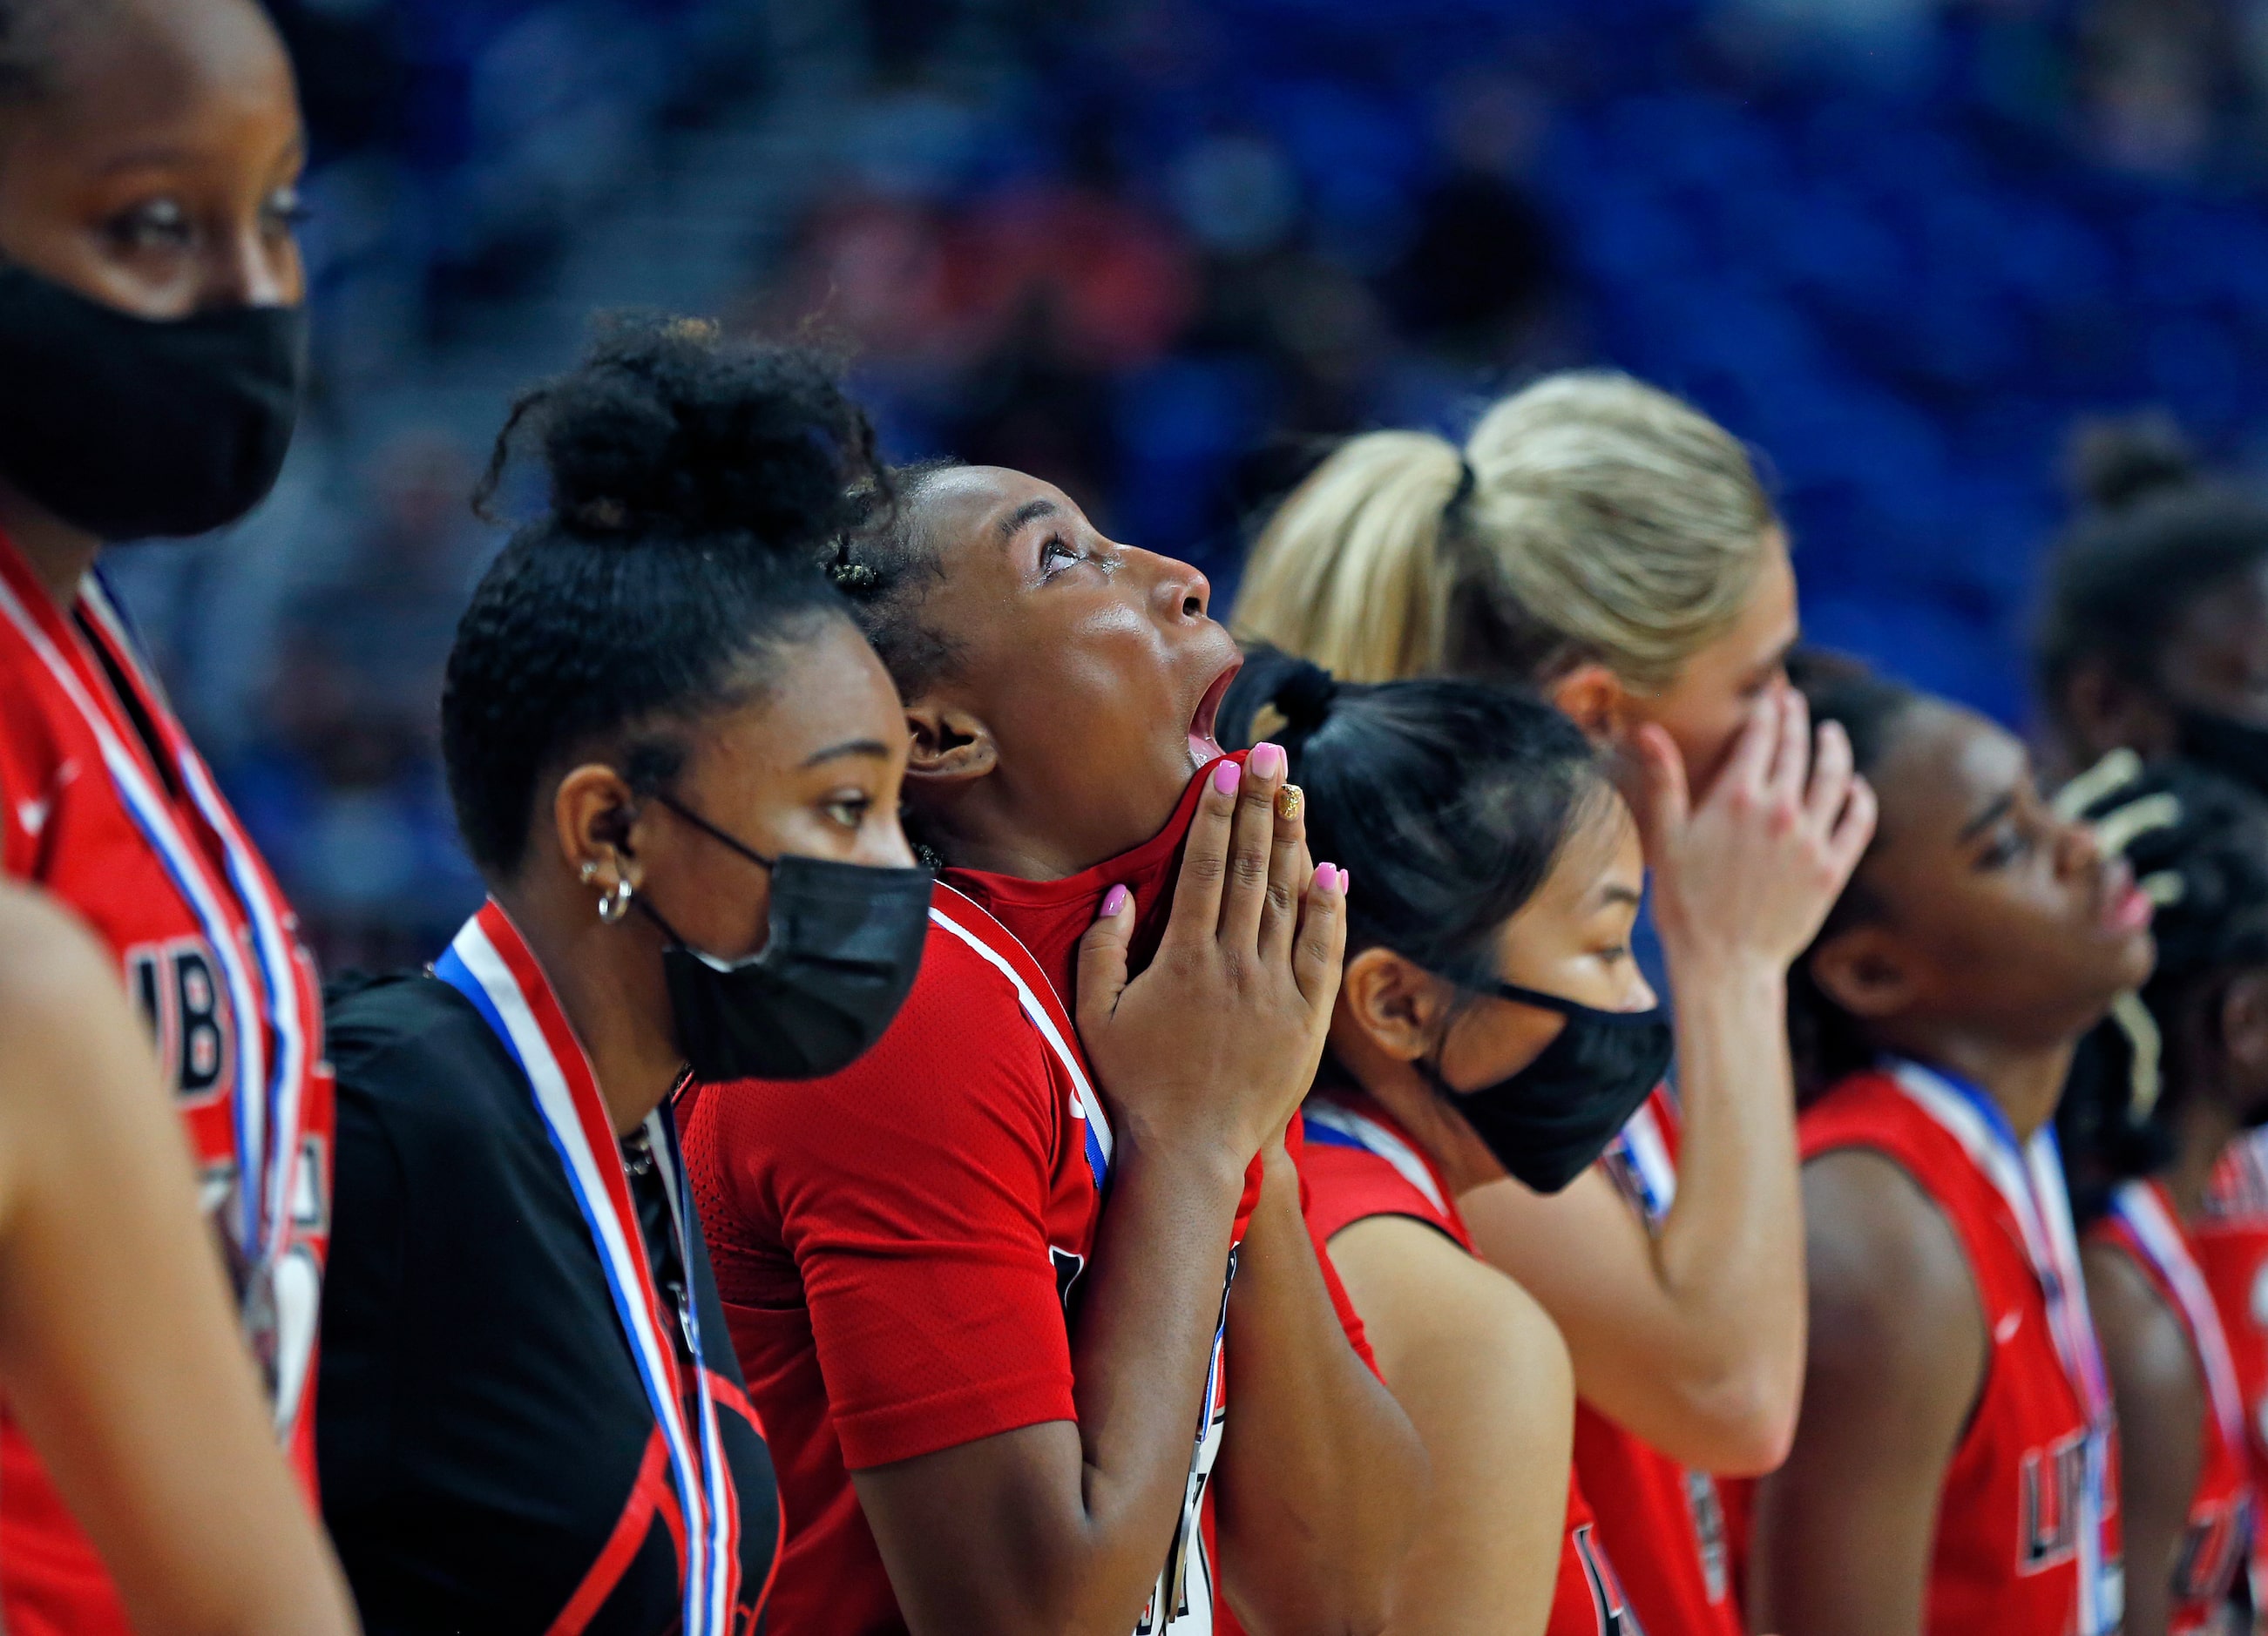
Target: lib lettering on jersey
column 2069, row 1493
column 173, row 987
column 207, row 945
column 2052, row 1494
column 2213, row 1550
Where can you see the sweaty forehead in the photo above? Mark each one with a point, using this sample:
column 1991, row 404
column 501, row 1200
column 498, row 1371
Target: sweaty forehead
column 964, row 505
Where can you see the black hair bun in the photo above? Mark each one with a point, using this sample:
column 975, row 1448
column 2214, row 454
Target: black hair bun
column 2115, row 464
column 668, row 428
column 1299, row 690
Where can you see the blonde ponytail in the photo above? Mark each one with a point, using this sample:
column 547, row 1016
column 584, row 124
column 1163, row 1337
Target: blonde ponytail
column 1351, row 571
column 1604, row 520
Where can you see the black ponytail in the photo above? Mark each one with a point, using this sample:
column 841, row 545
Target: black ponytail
column 695, row 485
column 1448, row 800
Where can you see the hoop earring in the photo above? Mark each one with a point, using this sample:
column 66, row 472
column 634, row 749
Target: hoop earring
column 615, row 904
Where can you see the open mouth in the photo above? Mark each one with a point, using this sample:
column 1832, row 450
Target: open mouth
column 2126, row 908
column 1203, row 746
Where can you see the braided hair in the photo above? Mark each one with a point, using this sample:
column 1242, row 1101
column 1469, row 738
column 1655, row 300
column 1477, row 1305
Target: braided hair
column 695, row 484
column 885, row 564
column 1449, row 800
column 2198, row 844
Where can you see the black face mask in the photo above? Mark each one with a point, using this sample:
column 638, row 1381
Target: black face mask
column 845, row 946
column 131, row 427
column 2234, row 749
column 1550, row 1121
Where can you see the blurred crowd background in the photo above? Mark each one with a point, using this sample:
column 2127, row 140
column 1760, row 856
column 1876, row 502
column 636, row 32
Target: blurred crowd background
column 1163, row 251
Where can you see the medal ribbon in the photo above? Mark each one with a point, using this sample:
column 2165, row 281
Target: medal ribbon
column 273, row 948
column 2028, row 1177
column 2238, row 1191
column 491, row 966
column 275, row 984
column 1638, row 1159
column 2140, row 1208
column 1336, row 1126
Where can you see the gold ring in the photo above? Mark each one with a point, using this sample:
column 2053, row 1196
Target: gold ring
column 1291, row 800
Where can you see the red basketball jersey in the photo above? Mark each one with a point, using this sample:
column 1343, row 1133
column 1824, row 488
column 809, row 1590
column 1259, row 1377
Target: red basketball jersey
column 105, row 805
column 1358, row 1162
column 2142, row 1224
column 1050, row 918
column 2230, row 1240
column 2009, row 1553
column 1667, row 1522
column 899, row 1246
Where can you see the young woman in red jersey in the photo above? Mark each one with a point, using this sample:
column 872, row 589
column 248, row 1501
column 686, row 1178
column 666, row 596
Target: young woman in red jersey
column 1492, row 1022
column 2154, row 641
column 995, row 1404
column 173, row 1468
column 150, row 350
column 1953, row 1467
column 2143, row 1133
column 1611, row 547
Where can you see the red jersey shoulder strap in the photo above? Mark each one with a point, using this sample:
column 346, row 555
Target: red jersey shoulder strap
column 1359, row 1126
column 961, row 917
column 2142, row 1223
column 1870, row 1112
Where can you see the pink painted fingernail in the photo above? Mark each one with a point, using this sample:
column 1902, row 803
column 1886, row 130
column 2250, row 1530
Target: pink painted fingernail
column 1266, row 760
column 1226, row 777
column 1326, row 878
column 1113, row 901
column 1344, row 876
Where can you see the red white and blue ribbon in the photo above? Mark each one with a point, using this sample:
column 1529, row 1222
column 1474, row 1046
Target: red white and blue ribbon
column 1638, row 1160
column 491, row 966
column 1335, row 1125
column 267, row 981
column 2140, row 1208
column 2028, row 1177
column 2238, row 1190
column 271, row 1122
